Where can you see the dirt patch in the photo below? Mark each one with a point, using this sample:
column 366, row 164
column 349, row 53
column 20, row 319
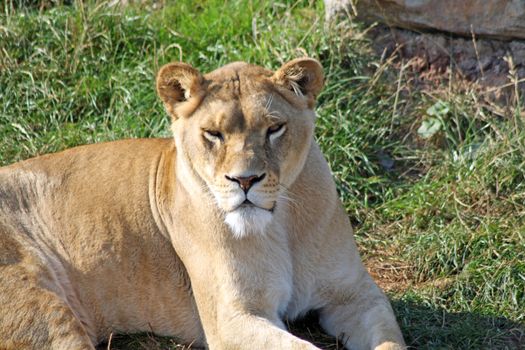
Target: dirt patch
column 497, row 66
column 391, row 275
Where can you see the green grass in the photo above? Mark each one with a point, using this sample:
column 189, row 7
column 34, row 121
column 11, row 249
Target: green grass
column 441, row 220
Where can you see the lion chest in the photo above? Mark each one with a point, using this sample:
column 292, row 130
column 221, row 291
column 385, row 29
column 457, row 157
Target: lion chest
column 281, row 287
column 263, row 274
column 289, row 286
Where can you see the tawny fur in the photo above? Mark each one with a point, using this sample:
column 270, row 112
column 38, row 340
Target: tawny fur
column 132, row 236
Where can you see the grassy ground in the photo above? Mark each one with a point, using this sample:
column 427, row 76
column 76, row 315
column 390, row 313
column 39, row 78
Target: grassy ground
column 433, row 178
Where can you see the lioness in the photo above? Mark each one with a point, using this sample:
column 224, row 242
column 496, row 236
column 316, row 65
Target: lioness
column 214, row 236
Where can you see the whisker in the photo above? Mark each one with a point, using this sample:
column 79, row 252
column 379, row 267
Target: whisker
column 287, row 195
column 269, row 102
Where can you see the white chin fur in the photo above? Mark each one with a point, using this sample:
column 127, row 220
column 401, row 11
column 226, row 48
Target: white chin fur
column 248, row 221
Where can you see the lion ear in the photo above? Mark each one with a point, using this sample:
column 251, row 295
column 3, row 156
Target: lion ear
column 179, row 86
column 304, row 76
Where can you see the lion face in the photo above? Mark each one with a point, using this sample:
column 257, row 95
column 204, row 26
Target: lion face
column 243, row 134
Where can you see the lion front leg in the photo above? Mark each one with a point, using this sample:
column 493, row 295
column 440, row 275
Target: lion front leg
column 240, row 294
column 363, row 319
column 230, row 322
column 239, row 317
column 248, row 331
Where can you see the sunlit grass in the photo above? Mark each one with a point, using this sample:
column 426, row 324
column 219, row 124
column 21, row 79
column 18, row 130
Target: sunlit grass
column 450, row 207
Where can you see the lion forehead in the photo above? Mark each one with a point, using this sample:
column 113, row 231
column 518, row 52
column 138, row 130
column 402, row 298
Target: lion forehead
column 235, row 115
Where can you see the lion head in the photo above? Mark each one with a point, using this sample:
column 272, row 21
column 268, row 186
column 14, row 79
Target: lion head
column 242, row 133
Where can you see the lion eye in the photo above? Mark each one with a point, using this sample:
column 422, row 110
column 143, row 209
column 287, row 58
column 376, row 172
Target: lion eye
column 275, row 131
column 213, row 135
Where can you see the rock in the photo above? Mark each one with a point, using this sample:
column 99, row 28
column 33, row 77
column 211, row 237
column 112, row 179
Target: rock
column 486, row 62
column 503, row 19
column 468, row 66
column 458, row 50
column 333, row 7
column 500, row 66
column 500, row 53
column 436, row 48
column 484, row 48
column 518, row 52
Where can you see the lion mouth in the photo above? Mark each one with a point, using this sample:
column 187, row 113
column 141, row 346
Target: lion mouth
column 249, row 204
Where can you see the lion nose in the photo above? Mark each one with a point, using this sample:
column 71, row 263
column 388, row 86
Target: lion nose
column 246, row 182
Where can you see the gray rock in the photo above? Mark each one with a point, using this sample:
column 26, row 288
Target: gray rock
column 504, row 19
column 518, row 52
column 469, row 65
column 486, row 62
column 436, row 48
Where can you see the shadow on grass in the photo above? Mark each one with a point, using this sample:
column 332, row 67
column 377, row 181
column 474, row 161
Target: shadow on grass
column 423, row 327
column 427, row 327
